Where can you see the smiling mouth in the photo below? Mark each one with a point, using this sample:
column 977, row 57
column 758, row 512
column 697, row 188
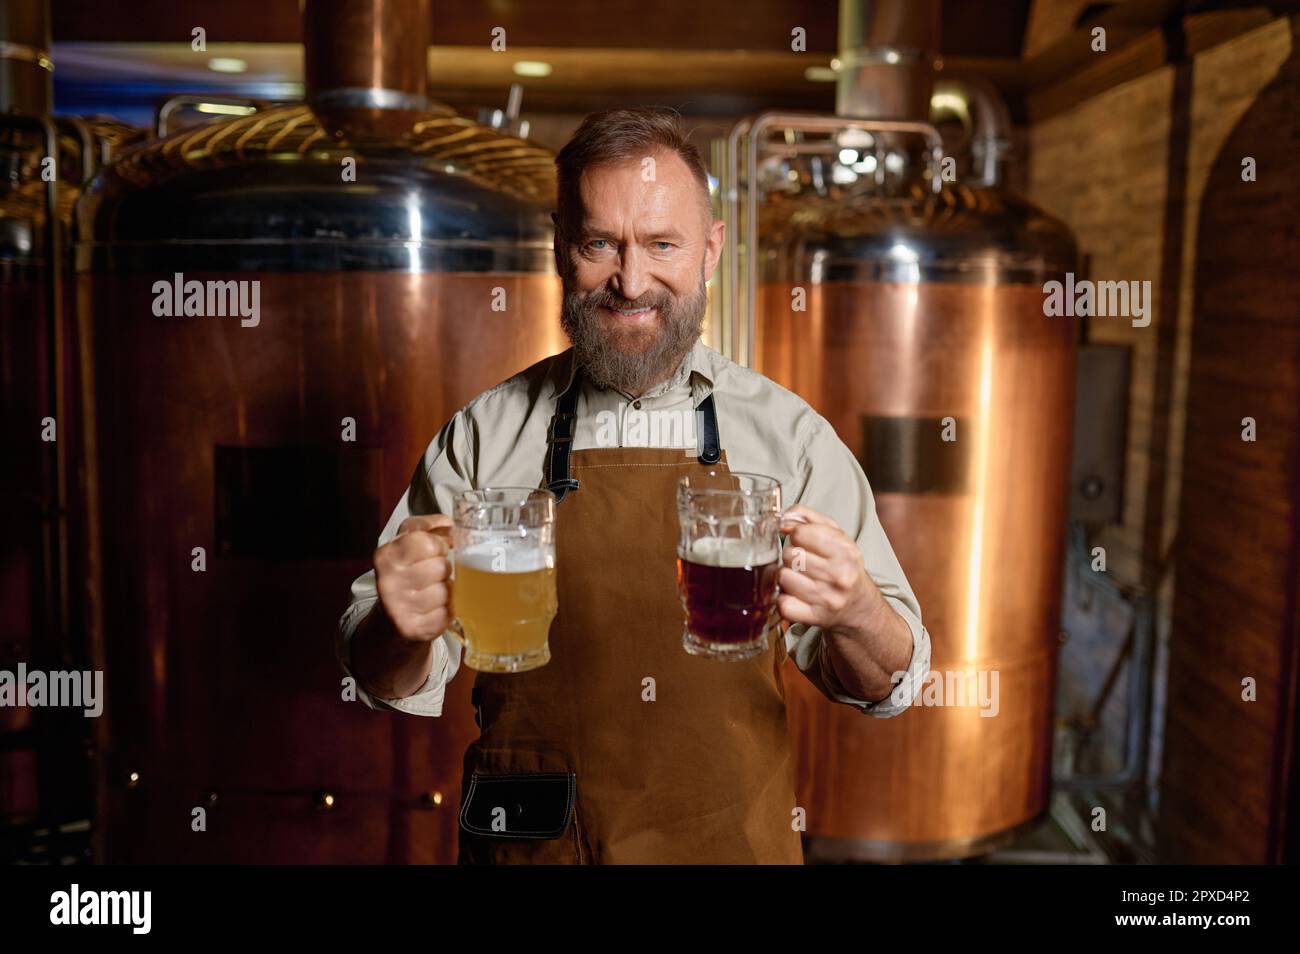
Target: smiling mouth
column 633, row 313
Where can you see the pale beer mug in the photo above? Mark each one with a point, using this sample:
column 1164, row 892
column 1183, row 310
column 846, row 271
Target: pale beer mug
column 503, row 576
column 728, row 559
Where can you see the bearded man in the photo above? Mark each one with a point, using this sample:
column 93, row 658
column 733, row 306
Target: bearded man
column 576, row 762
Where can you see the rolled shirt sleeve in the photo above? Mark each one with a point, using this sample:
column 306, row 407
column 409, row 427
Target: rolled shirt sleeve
column 836, row 486
column 444, row 471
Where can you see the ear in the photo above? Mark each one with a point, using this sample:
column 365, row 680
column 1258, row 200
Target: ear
column 716, row 239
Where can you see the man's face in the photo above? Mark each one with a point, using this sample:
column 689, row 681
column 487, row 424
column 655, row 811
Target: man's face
column 633, row 265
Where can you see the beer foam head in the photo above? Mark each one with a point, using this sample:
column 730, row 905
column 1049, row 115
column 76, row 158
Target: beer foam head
column 731, row 552
column 501, row 558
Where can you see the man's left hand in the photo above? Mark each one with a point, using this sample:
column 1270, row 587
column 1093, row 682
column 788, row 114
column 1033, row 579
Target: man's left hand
column 825, row 583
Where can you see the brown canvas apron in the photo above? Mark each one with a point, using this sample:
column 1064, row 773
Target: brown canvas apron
column 624, row 748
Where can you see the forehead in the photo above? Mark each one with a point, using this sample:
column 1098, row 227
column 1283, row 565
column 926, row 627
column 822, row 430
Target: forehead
column 661, row 184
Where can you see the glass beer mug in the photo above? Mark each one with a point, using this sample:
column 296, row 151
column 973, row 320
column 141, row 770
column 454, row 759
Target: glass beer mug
column 503, row 577
column 728, row 558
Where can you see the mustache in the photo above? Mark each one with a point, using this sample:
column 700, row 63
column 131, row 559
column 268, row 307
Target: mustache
column 604, row 298
column 631, row 359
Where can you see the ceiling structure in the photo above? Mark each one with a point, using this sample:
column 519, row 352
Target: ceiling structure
column 708, row 58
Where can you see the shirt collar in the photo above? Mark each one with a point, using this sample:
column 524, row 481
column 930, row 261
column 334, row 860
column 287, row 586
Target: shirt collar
column 696, row 368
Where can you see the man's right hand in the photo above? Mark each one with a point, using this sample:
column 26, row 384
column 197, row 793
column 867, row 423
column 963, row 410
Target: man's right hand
column 413, row 577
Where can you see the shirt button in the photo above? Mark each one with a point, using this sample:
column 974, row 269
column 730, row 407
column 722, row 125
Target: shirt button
column 637, row 405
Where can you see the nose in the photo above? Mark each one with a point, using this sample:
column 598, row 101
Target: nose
column 631, row 279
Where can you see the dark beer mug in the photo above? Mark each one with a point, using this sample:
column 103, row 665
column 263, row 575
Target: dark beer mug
column 728, row 558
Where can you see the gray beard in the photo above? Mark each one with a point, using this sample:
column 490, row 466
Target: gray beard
column 632, row 361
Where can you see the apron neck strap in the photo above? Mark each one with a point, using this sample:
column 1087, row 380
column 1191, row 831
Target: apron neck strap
column 706, row 426
column 559, row 437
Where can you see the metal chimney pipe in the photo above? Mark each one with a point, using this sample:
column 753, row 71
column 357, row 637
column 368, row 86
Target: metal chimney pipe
column 26, row 72
column 365, row 64
column 886, row 58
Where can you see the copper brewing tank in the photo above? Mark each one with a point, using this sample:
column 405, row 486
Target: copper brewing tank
column 925, row 307
column 31, row 245
column 385, row 304
column 44, row 770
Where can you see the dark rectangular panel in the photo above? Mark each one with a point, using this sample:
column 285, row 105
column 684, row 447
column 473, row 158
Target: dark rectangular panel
column 908, row 455
column 297, row 503
column 1100, row 429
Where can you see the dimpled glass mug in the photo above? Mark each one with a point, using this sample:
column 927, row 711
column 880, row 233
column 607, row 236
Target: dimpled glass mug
column 728, row 559
column 503, row 576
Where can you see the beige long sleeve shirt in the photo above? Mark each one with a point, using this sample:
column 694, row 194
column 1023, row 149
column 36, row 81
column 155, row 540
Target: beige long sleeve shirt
column 499, row 438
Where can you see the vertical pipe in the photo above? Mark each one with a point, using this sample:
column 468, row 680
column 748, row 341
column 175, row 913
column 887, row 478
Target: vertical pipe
column 886, row 58
column 26, row 73
column 55, row 516
column 365, row 64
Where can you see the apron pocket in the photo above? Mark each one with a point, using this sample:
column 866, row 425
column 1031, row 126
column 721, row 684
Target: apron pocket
column 537, row 805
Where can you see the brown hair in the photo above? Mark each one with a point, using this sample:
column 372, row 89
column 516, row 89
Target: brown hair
column 620, row 135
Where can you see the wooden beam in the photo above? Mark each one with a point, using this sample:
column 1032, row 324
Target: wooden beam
column 1135, row 59
column 1137, row 55
column 622, row 24
column 1049, row 20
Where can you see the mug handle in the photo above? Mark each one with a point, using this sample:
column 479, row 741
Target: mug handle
column 454, row 627
column 776, row 623
column 458, row 631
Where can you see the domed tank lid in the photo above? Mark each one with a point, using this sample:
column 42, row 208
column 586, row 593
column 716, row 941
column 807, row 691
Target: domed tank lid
column 958, row 234
column 272, row 190
column 369, row 174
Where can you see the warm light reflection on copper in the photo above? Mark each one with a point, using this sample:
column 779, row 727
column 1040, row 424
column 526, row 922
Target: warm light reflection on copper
column 983, row 422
